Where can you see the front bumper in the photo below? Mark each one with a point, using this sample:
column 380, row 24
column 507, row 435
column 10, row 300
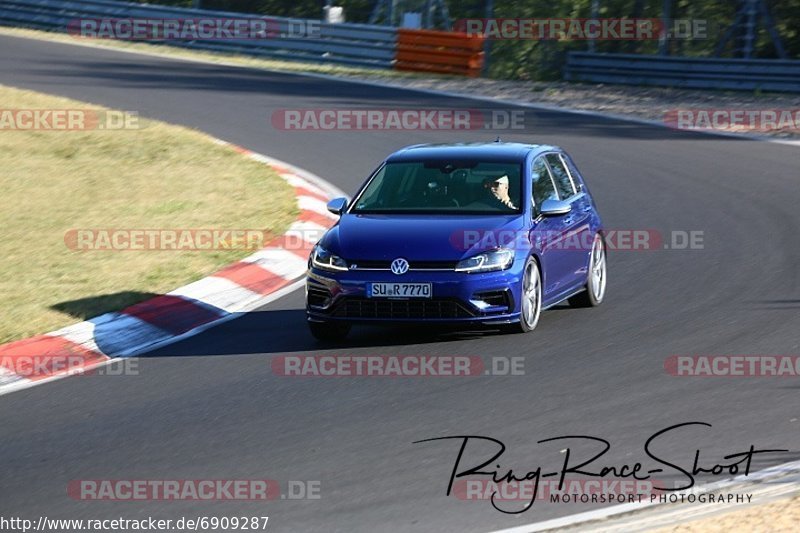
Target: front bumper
column 482, row 298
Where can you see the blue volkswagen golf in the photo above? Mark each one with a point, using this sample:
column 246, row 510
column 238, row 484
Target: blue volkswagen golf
column 484, row 234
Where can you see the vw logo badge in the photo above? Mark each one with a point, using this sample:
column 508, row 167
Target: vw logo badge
column 399, row 266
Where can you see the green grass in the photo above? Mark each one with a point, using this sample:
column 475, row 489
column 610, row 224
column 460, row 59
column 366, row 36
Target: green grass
column 157, row 176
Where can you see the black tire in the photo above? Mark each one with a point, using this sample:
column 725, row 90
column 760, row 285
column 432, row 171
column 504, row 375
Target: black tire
column 529, row 316
column 594, row 290
column 329, row 331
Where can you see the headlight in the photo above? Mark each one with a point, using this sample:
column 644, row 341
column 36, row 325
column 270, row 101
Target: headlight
column 323, row 259
column 495, row 260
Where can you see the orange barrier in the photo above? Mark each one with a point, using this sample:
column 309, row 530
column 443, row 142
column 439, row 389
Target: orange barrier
column 439, row 51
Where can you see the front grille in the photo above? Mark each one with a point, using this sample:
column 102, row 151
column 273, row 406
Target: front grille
column 412, row 265
column 353, row 307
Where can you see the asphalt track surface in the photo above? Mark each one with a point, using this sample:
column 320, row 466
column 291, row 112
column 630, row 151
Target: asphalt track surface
column 211, row 408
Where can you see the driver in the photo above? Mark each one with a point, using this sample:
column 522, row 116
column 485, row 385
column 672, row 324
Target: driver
column 499, row 189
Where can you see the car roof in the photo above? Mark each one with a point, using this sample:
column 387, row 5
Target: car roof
column 481, row 150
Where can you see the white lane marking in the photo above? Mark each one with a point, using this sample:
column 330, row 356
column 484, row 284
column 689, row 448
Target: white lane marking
column 295, row 181
column 245, row 308
column 81, row 333
column 123, row 328
column 219, row 293
column 23, row 384
column 27, row 384
column 309, row 203
column 337, row 192
column 280, row 262
column 310, row 232
column 7, row 378
column 115, row 327
column 659, row 518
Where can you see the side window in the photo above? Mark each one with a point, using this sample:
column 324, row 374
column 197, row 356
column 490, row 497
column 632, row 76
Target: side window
column 560, row 176
column 542, row 185
column 577, row 179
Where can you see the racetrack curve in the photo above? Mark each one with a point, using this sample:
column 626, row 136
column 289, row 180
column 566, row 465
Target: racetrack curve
column 211, row 408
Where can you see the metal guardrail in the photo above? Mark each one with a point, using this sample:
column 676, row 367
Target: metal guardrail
column 350, row 44
column 696, row 73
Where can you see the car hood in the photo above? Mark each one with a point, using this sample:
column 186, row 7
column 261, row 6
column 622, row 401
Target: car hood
column 417, row 237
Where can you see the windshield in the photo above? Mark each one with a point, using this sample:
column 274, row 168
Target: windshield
column 457, row 187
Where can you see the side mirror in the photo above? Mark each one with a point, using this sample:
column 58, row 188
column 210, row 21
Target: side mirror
column 337, row 206
column 551, row 208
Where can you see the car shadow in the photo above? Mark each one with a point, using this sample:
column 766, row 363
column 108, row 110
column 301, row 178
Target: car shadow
column 92, row 306
column 285, row 331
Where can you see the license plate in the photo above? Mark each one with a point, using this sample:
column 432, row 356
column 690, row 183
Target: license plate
column 399, row 290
